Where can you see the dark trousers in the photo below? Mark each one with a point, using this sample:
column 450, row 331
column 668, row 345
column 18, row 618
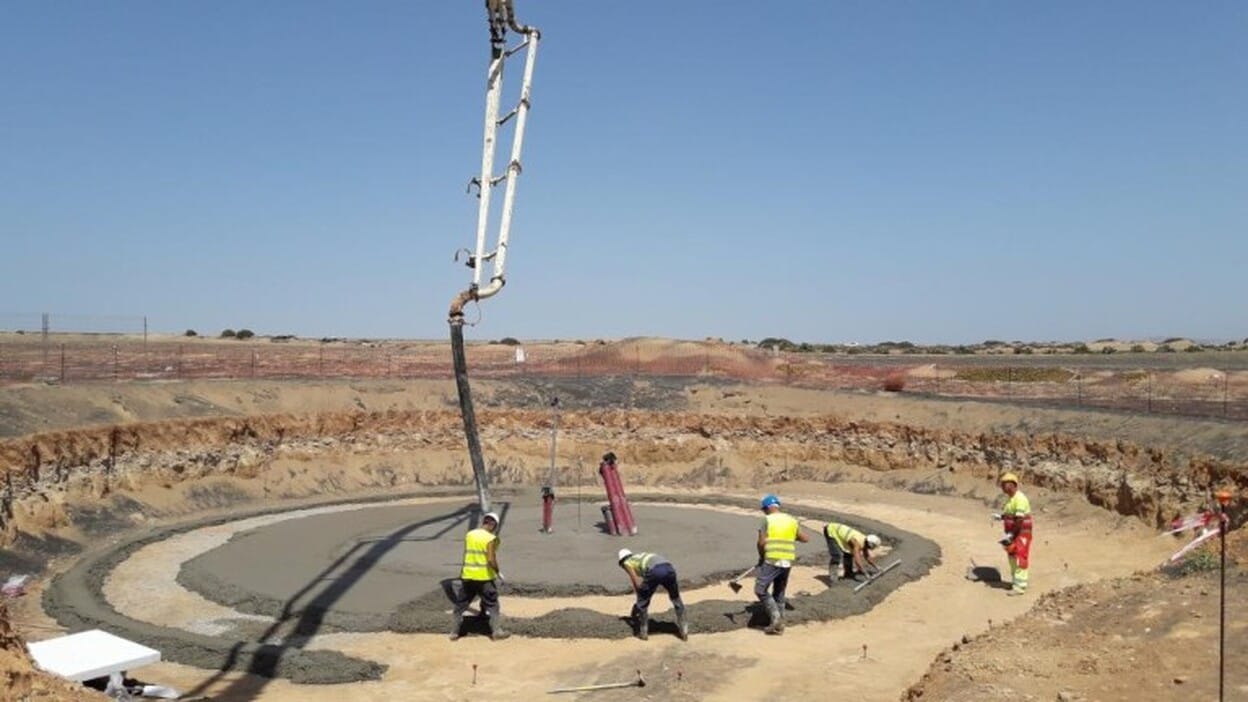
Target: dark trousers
column 663, row 575
column 774, row 578
column 845, row 557
column 473, row 589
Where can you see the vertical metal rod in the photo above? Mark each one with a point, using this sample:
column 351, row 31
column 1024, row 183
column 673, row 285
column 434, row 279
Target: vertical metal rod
column 554, row 438
column 114, row 363
column 62, row 363
column 1222, row 527
column 1226, row 387
column 1150, row 392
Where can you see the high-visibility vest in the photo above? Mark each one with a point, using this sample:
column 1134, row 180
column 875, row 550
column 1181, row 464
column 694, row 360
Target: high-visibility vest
column 843, row 534
column 476, row 555
column 641, row 563
column 1016, row 516
column 781, row 544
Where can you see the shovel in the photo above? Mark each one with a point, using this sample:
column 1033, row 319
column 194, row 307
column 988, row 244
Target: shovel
column 735, row 583
column 639, row 682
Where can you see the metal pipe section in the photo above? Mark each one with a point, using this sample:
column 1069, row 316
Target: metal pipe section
column 493, row 93
column 497, row 280
column 608, row 520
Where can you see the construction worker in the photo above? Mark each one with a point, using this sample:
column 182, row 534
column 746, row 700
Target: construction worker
column 479, row 575
column 849, row 549
column 1016, row 516
column 648, row 571
column 777, row 550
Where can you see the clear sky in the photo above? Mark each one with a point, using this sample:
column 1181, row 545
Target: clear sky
column 819, row 170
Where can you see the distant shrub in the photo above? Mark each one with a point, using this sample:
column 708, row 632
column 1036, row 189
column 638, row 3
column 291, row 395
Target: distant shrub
column 1138, row 348
column 1108, row 350
column 895, row 383
column 1173, row 339
column 281, row 337
column 1194, row 348
column 227, row 334
column 1023, row 350
column 1165, row 348
column 244, row 334
column 963, row 350
column 994, row 342
column 774, row 342
column 1080, row 348
column 509, row 341
column 190, row 332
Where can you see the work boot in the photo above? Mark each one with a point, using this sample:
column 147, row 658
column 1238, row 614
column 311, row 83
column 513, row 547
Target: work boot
column 643, row 626
column 775, row 625
column 497, row 633
column 682, row 625
column 458, row 627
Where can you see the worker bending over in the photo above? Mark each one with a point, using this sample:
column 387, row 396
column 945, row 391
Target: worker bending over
column 479, row 574
column 648, row 571
column 1016, row 516
column 849, row 551
column 777, row 550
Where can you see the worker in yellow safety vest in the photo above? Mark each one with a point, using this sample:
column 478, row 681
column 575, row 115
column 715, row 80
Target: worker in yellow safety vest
column 480, row 577
column 849, row 552
column 1016, row 518
column 777, row 550
column 647, row 572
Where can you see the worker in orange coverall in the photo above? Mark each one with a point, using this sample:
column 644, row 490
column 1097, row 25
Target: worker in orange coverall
column 1016, row 517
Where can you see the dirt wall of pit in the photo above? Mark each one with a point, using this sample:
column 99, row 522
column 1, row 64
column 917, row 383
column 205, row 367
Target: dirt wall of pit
column 424, row 447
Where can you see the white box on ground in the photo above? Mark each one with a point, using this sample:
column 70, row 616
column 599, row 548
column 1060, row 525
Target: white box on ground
column 90, row 654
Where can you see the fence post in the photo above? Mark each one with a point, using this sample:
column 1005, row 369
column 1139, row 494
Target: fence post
column 320, row 369
column 1079, row 389
column 253, row 363
column 179, row 360
column 1150, row 392
column 115, row 369
column 1226, row 387
column 62, row 363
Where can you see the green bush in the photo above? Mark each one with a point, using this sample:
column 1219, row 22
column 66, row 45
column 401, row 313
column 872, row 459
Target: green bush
column 1138, row 348
column 1194, row 348
column 509, row 341
column 1080, row 348
column 191, row 332
column 244, row 334
column 227, row 334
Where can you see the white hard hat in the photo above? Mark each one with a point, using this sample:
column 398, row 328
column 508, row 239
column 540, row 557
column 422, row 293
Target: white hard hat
column 873, row 541
column 491, row 516
column 624, row 553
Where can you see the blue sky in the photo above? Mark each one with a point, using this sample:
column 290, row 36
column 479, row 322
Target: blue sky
column 823, row 171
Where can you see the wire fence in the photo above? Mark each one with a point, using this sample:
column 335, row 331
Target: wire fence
column 1177, row 389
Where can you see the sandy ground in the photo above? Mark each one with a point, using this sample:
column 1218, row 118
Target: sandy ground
column 1075, row 544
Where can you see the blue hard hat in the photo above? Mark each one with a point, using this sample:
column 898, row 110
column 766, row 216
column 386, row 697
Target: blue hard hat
column 769, row 500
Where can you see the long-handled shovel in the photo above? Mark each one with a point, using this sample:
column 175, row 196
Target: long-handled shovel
column 735, row 583
column 639, row 682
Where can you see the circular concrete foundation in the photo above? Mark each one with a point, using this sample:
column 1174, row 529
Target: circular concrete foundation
column 370, row 561
column 385, row 566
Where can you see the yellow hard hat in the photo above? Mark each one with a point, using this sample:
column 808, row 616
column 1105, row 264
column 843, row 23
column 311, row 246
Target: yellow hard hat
column 1009, row 478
